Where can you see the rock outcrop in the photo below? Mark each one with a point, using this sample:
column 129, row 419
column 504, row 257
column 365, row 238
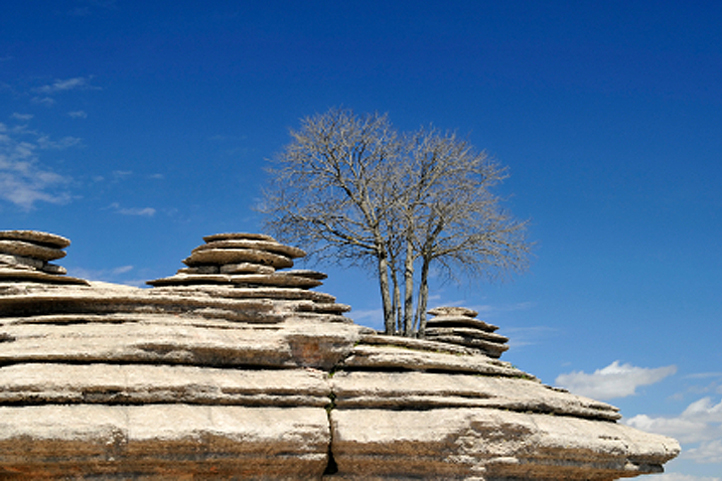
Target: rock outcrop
column 234, row 368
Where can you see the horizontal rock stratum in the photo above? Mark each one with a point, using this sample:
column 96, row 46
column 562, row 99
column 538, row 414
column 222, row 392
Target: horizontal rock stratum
column 233, row 368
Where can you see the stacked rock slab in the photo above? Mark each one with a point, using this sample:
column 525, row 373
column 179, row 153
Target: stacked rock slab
column 234, row 369
column 25, row 256
column 457, row 325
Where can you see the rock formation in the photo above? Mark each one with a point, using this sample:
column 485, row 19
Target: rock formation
column 234, row 368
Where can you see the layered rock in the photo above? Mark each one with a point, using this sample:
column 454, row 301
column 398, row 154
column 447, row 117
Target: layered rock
column 234, row 368
column 25, row 256
column 457, row 325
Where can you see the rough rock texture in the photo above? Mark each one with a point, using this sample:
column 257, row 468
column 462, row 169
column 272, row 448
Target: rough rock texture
column 234, row 369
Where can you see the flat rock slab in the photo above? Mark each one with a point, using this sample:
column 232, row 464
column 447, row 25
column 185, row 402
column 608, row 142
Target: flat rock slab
column 23, row 275
column 29, row 249
column 461, row 321
column 20, row 261
column 37, row 237
column 246, row 268
column 238, row 236
column 453, row 311
column 167, row 441
column 423, row 390
column 234, row 256
column 260, row 245
column 431, row 332
column 491, row 349
column 394, row 358
column 472, row 443
column 53, row 383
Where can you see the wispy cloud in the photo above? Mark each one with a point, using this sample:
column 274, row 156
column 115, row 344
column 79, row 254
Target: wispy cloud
column 47, row 101
column 23, row 180
column 137, row 211
column 700, row 422
column 683, row 477
column 23, row 117
column 78, row 114
column 614, row 381
column 60, row 85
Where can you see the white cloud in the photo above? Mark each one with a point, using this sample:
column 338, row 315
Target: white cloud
column 683, row 477
column 78, row 114
column 23, row 181
column 700, row 422
column 43, row 100
column 139, row 211
column 613, row 381
column 23, row 117
column 75, row 83
column 44, row 142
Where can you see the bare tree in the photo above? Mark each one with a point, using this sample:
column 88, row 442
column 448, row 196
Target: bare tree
column 351, row 189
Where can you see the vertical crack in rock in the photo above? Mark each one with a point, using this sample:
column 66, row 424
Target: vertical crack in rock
column 331, row 467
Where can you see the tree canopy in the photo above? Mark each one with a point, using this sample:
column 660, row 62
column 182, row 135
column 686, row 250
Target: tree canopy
column 353, row 190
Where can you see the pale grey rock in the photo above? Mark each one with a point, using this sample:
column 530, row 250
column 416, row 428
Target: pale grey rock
column 259, row 245
column 36, row 237
column 423, row 390
column 395, row 358
column 246, row 268
column 432, row 332
column 491, row 349
column 490, row 444
column 203, row 377
column 163, row 441
column 20, row 262
column 23, row 275
column 29, row 249
column 234, row 256
column 238, row 236
column 199, row 270
column 306, row 273
column 461, row 321
column 54, row 269
column 276, row 280
column 53, row 383
column 453, row 311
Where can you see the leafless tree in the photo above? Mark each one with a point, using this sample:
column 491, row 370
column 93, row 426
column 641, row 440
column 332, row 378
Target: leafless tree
column 351, row 189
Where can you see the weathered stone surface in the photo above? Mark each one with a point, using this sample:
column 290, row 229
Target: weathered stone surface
column 103, row 383
column 424, row 390
column 246, row 268
column 20, row 261
column 166, row 441
column 239, row 236
column 29, row 249
column 214, row 375
column 259, row 245
column 466, row 331
column 491, row 349
column 234, row 256
column 36, row 237
column 453, row 311
column 54, row 269
column 23, row 275
column 490, row 444
column 461, row 321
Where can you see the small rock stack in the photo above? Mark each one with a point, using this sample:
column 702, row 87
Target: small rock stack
column 25, row 256
column 457, row 325
column 242, row 260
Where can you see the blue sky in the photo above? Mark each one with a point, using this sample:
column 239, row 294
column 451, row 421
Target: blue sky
column 135, row 128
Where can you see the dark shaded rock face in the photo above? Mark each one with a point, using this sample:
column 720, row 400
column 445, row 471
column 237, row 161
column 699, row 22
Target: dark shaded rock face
column 233, row 368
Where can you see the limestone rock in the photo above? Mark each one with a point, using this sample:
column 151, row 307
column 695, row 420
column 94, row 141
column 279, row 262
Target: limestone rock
column 36, row 237
column 29, row 249
column 230, row 369
column 456, row 325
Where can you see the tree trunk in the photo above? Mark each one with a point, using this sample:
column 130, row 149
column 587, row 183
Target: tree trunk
column 389, row 321
column 396, row 302
column 408, row 288
column 423, row 298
